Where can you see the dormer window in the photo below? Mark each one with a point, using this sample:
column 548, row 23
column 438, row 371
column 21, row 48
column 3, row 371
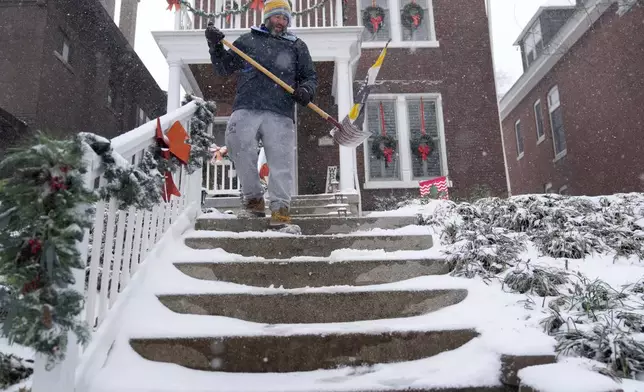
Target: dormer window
column 533, row 43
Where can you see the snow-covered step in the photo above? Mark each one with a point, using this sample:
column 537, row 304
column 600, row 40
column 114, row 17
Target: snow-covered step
column 274, row 245
column 283, row 273
column 309, row 226
column 315, row 307
column 299, row 352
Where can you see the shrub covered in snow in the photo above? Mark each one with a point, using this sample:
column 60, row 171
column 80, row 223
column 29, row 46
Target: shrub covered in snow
column 13, row 369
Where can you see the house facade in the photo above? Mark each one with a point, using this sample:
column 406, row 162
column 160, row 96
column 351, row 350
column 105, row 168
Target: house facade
column 440, row 63
column 67, row 67
column 572, row 123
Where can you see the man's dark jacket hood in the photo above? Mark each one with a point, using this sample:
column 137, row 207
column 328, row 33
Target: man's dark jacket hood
column 286, row 56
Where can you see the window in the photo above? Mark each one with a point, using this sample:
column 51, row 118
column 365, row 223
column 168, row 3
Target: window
column 556, row 123
column 431, row 166
column 381, row 120
column 519, row 136
column 538, row 117
column 563, row 190
column 63, row 46
column 398, row 25
column 415, row 122
column 533, row 43
column 547, row 188
column 110, row 97
column 141, row 117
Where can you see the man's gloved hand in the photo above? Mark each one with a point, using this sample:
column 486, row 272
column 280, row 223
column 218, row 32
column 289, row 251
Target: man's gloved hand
column 302, row 96
column 213, row 35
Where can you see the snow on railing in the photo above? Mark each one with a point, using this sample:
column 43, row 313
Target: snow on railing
column 317, row 13
column 121, row 244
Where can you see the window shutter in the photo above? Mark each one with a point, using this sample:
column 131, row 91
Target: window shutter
column 377, row 169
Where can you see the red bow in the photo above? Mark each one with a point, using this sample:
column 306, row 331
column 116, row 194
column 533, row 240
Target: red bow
column 174, row 3
column 424, row 151
column 172, row 143
column 257, row 5
column 35, row 245
column 375, row 22
column 388, row 152
column 415, row 20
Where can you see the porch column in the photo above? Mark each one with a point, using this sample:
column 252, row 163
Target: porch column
column 347, row 162
column 174, row 84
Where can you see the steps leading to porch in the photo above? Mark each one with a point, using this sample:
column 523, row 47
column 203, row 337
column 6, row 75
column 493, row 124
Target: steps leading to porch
column 301, row 205
column 237, row 310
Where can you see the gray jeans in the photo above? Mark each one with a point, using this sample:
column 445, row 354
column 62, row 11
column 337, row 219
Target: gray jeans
column 245, row 129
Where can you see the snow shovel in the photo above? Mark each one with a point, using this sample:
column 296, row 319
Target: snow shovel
column 345, row 133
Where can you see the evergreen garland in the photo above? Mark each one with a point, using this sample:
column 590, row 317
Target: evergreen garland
column 140, row 186
column 40, row 224
column 424, row 140
column 412, row 15
column 373, row 18
column 389, row 144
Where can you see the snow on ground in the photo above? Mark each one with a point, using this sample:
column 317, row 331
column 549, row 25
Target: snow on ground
column 20, row 351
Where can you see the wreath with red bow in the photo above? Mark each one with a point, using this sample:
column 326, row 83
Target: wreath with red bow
column 423, row 147
column 373, row 18
column 412, row 15
column 388, row 149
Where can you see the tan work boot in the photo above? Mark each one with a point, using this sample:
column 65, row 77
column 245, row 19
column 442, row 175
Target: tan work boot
column 281, row 221
column 253, row 208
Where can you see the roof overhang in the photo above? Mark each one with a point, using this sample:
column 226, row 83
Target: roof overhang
column 567, row 36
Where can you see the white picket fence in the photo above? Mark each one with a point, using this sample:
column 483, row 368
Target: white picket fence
column 121, row 245
column 221, row 179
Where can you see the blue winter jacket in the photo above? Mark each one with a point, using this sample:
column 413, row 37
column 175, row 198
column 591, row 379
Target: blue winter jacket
column 285, row 56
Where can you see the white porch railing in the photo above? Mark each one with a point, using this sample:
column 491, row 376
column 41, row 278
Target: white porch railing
column 221, row 179
column 119, row 248
column 328, row 13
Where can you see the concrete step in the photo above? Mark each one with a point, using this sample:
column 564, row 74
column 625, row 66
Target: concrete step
column 298, row 353
column 296, row 201
column 315, row 307
column 310, row 226
column 285, row 247
column 282, row 273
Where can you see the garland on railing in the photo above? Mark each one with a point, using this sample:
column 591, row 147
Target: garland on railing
column 255, row 4
column 144, row 186
column 40, row 224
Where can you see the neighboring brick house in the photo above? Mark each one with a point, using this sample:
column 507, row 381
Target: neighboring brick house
column 573, row 122
column 66, row 67
column 446, row 61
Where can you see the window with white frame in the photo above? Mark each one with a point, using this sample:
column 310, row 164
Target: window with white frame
column 423, row 126
column 563, row 190
column 63, row 46
column 547, row 188
column 533, row 43
column 399, row 20
column 409, row 134
column 556, row 122
column 384, row 164
column 538, row 118
column 519, row 137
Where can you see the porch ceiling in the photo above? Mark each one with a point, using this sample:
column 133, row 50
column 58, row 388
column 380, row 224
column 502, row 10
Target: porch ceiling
column 325, row 43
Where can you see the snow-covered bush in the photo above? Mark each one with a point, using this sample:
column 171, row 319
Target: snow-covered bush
column 596, row 321
column 529, row 279
column 13, row 369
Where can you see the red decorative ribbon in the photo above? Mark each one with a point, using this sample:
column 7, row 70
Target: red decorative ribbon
column 424, row 151
column 257, row 5
column 376, row 22
column 174, row 3
column 169, row 187
column 35, row 245
column 383, row 129
column 415, row 20
column 422, row 117
column 389, row 153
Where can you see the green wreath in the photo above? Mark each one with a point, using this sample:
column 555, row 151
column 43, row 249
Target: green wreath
column 373, row 18
column 424, row 140
column 389, row 143
column 412, row 15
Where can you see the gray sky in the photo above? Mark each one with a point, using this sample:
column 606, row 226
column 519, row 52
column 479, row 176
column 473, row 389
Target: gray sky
column 508, row 17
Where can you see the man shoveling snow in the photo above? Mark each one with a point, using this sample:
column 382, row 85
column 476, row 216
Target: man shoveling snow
column 263, row 110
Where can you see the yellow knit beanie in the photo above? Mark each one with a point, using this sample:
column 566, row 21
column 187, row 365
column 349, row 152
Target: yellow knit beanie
column 277, row 7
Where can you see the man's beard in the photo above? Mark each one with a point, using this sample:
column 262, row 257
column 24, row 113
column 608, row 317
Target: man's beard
column 271, row 29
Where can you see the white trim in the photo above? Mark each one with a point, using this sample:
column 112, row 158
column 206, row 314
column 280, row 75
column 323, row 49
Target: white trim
column 517, row 131
column 567, row 36
column 563, row 188
column 547, row 188
column 395, row 32
column 537, row 16
column 562, row 153
column 540, row 138
column 404, row 153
